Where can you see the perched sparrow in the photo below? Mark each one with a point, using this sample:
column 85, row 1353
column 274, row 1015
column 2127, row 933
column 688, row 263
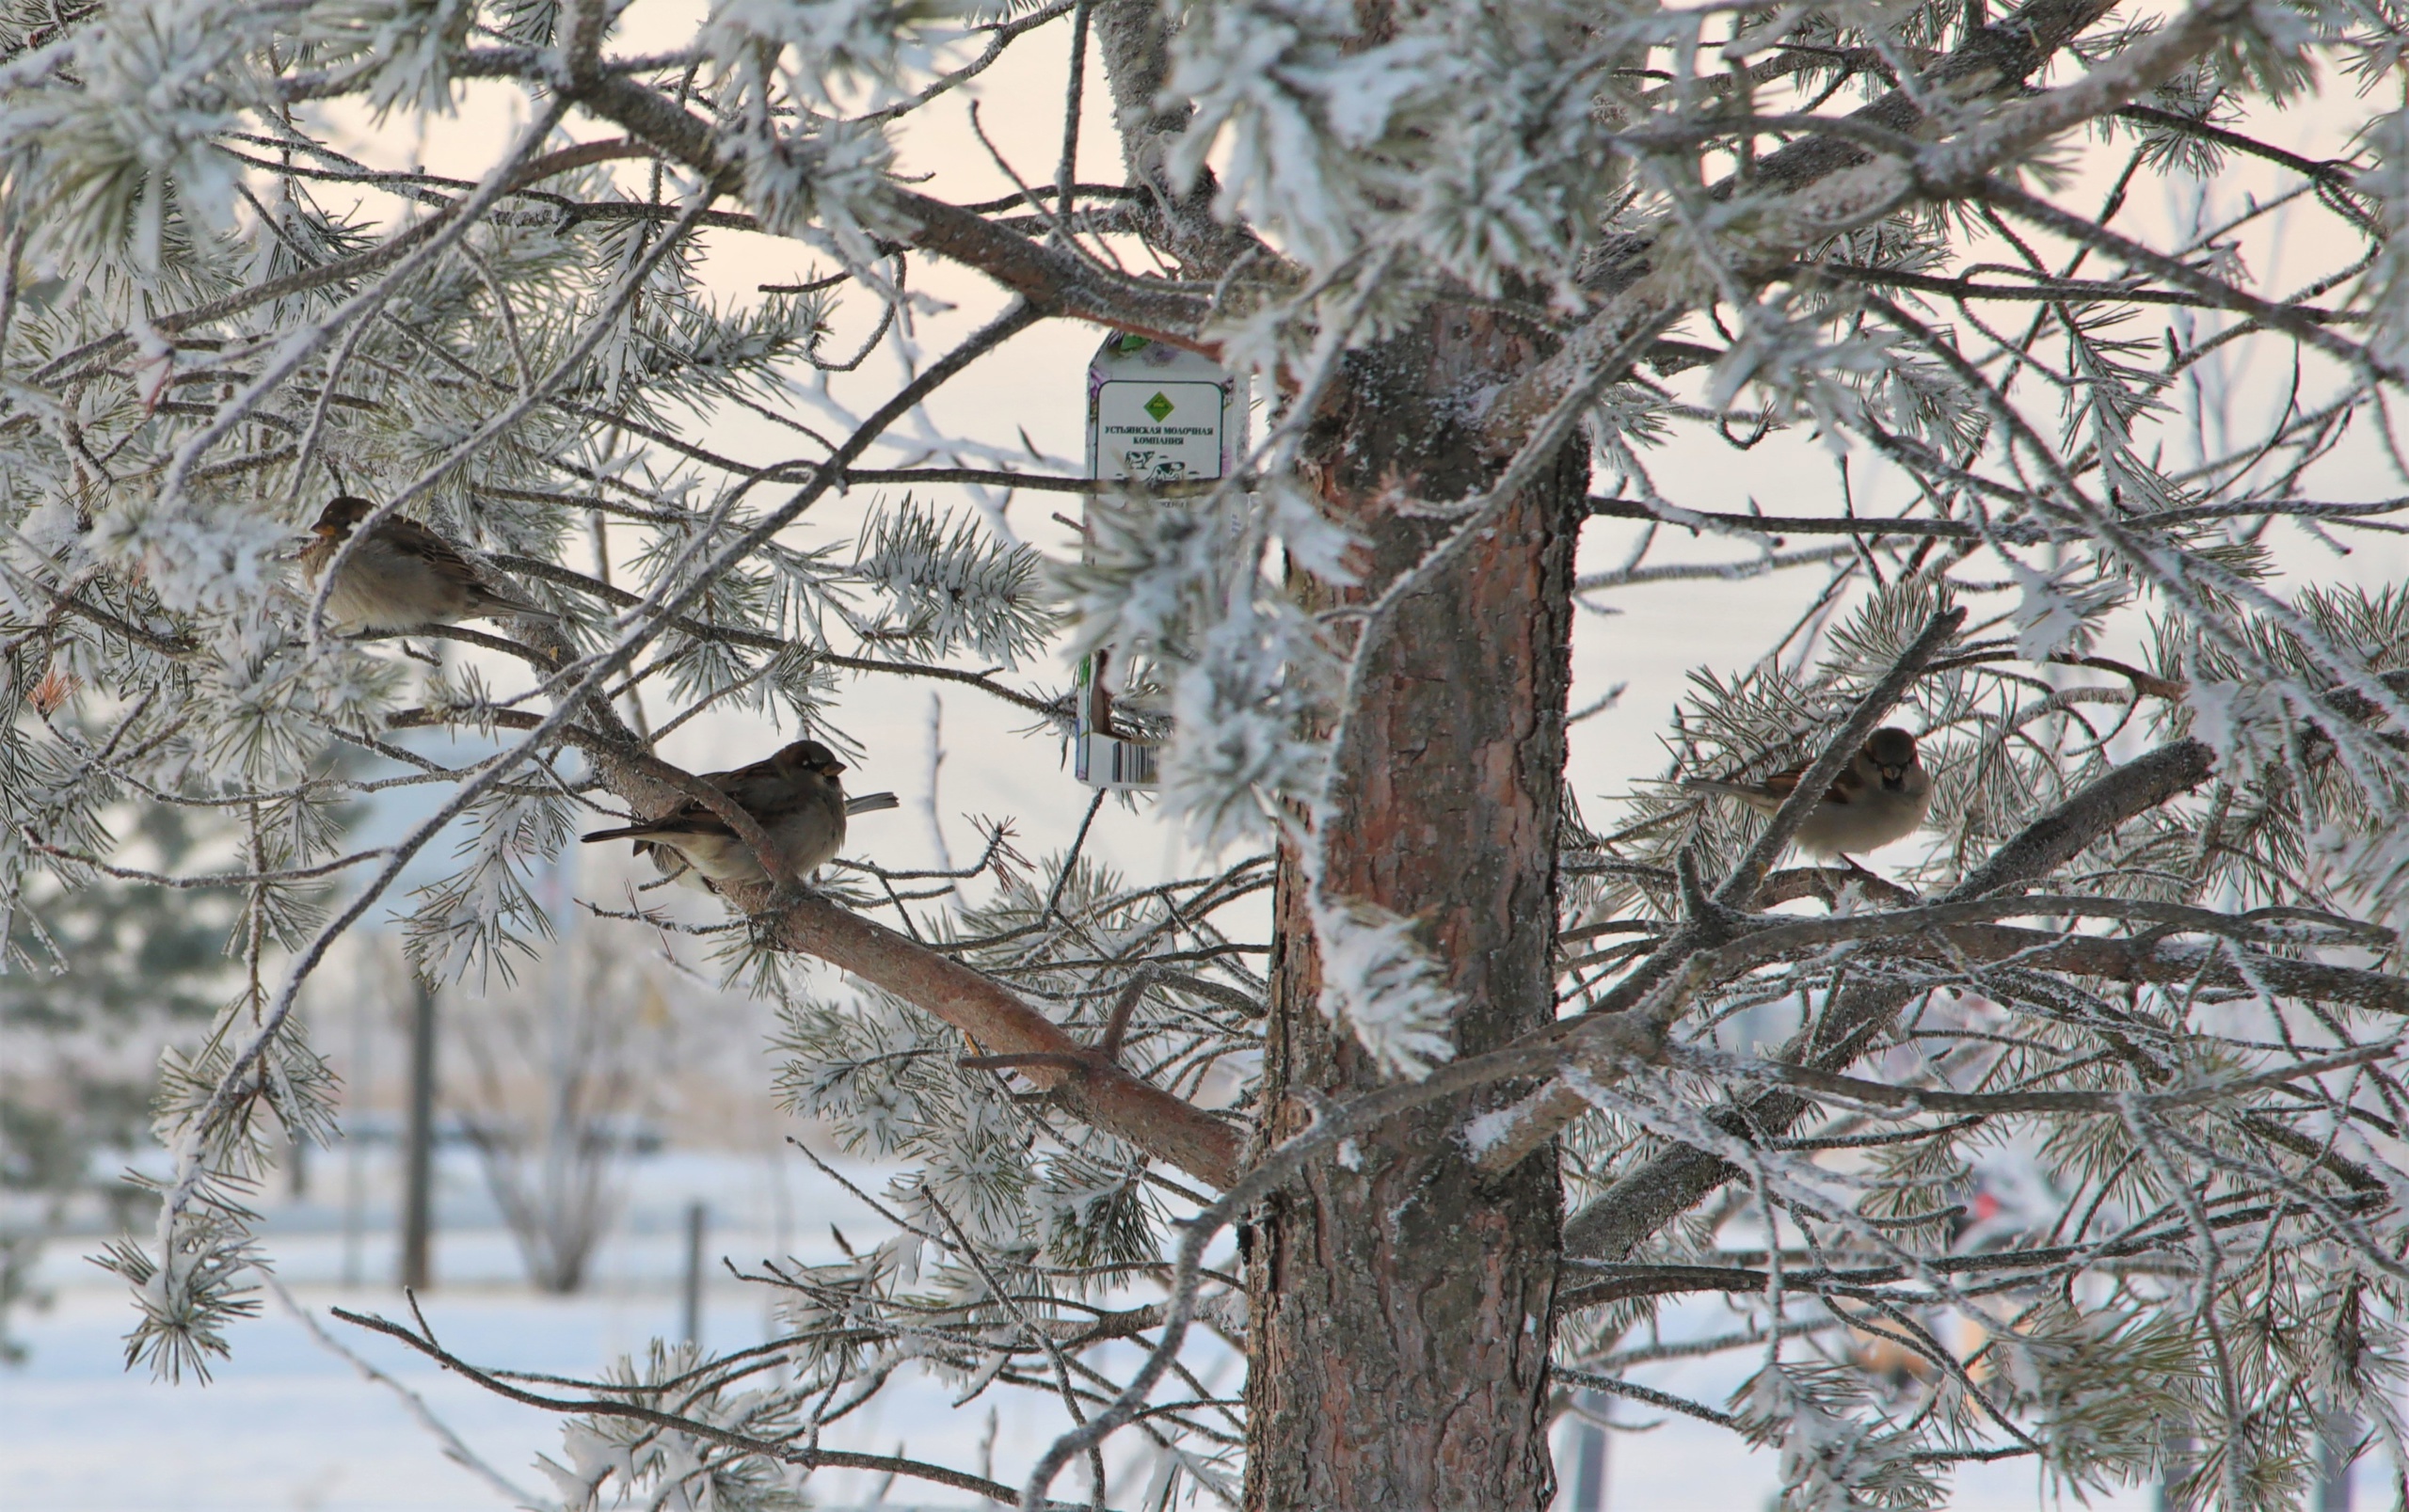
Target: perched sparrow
column 1879, row 797
column 403, row 575
column 794, row 796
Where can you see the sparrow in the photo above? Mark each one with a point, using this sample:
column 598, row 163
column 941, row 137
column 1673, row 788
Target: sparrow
column 403, row 576
column 793, row 795
column 1882, row 795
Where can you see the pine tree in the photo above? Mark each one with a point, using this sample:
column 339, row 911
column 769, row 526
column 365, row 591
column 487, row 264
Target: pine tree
column 100, row 978
column 2073, row 1139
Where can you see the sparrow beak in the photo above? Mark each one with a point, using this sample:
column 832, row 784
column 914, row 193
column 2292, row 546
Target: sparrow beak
column 833, row 768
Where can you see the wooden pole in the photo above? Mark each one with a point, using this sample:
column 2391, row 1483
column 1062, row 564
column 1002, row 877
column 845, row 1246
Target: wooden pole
column 695, row 1215
column 418, row 1156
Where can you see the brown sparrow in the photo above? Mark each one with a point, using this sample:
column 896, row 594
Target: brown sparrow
column 403, row 576
column 1880, row 796
column 793, row 795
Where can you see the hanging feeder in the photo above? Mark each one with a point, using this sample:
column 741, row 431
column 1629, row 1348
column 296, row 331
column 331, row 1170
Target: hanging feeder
column 1156, row 414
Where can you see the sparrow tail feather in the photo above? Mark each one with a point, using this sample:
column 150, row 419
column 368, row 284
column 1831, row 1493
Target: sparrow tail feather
column 623, row 832
column 1708, row 785
column 496, row 604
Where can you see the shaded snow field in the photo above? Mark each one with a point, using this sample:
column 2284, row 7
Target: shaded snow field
column 286, row 1424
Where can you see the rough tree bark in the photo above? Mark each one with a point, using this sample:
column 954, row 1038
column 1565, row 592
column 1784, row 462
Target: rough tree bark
column 1400, row 1302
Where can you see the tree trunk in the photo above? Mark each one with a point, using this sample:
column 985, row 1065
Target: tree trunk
column 1400, row 1302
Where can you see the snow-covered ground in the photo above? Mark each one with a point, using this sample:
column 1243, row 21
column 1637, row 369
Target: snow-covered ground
column 286, row 1424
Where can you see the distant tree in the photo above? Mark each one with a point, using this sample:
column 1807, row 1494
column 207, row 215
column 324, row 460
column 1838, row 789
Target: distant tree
column 1503, row 1080
column 101, row 976
column 559, row 1069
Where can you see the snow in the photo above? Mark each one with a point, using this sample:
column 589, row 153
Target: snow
column 286, row 1424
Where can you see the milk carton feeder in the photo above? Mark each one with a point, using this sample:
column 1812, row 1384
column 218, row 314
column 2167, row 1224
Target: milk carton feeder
column 1156, row 415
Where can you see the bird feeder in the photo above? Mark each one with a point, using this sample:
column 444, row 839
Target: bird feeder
column 1156, row 414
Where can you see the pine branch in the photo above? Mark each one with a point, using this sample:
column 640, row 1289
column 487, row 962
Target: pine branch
column 1053, row 283
column 103, row 350
column 1166, row 1127
column 738, row 635
column 1643, row 1199
column 1708, row 923
column 2040, row 1266
column 1823, row 200
column 806, row 1456
column 1916, row 1100
column 2295, row 321
column 2045, row 291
